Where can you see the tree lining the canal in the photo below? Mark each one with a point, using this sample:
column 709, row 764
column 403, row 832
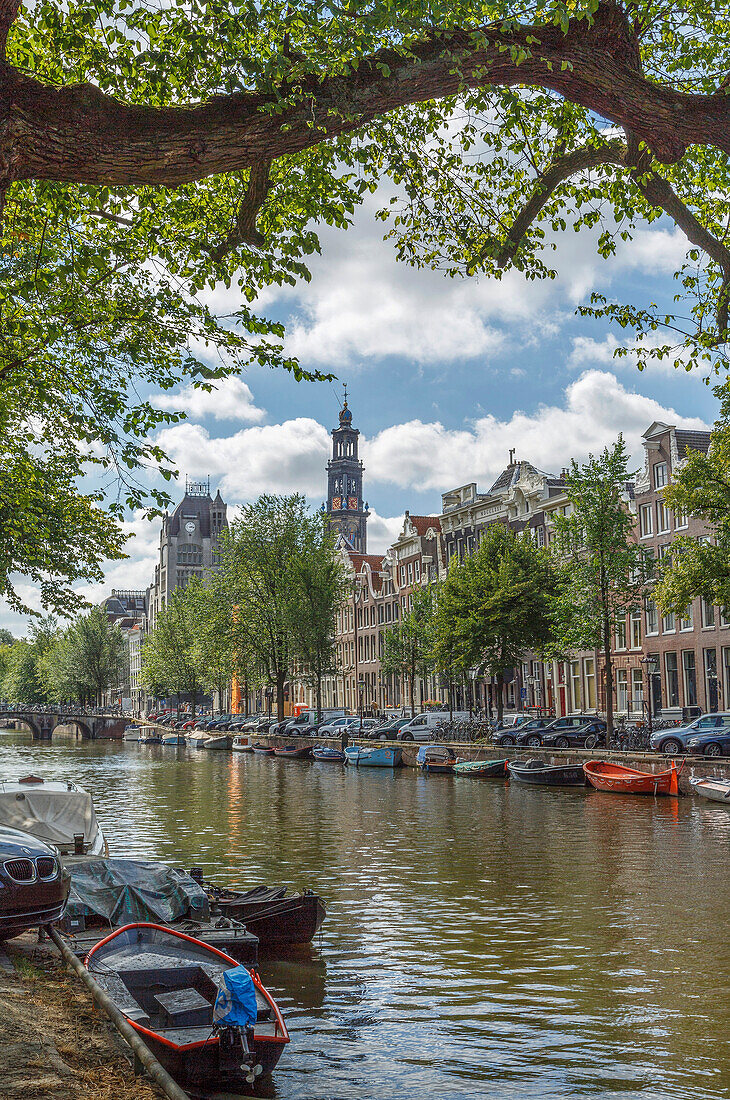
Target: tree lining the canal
column 86, row 659
column 496, row 604
column 132, row 188
column 604, row 571
column 170, row 658
column 408, row 647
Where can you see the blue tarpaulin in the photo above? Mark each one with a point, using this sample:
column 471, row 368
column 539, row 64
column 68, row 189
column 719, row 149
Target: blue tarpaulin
column 235, row 1004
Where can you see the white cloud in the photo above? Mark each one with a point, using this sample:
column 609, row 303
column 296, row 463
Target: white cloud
column 382, row 531
column 275, row 458
column 231, row 399
column 597, row 407
column 587, row 351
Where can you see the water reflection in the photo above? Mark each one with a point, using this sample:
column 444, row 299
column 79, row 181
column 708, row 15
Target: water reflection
column 481, row 939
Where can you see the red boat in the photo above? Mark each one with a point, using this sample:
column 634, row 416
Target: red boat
column 621, row 780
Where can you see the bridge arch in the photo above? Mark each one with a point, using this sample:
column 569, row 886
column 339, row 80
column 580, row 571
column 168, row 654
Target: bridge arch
column 26, row 720
column 82, row 726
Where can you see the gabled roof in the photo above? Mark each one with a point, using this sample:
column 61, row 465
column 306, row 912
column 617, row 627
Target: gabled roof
column 422, row 523
column 692, row 441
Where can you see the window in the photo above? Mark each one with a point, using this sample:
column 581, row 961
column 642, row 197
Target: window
column 621, row 634
column 636, row 630
column 711, row 685
column 652, row 618
column 637, row 689
column 575, row 684
column 590, row 683
column 417, row 569
column 687, row 621
column 645, row 516
column 680, row 520
column 660, row 475
column 708, row 613
column 622, row 689
column 670, row 665
column 724, row 620
column 668, row 625
column 662, row 518
column 690, row 677
column 540, row 536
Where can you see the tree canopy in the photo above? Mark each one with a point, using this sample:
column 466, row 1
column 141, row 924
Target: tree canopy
column 150, row 153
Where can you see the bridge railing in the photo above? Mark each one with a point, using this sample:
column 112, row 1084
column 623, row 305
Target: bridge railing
column 66, row 709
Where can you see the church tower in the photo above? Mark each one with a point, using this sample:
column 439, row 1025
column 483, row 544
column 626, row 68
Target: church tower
column 345, row 507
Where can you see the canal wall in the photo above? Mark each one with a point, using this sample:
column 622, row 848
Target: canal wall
column 697, row 767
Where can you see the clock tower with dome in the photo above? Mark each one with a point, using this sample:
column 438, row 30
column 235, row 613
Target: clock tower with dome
column 345, row 508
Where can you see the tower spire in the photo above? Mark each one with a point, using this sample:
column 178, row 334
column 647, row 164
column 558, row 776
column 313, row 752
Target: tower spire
column 345, row 508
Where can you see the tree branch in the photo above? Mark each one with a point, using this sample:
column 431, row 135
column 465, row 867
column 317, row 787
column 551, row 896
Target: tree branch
column 245, row 231
column 80, row 134
column 8, row 13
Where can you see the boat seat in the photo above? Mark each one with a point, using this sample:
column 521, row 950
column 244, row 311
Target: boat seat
column 123, row 999
column 184, row 1008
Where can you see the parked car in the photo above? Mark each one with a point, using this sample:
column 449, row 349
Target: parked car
column 388, row 731
column 336, row 726
column 675, row 741
column 561, row 732
column 590, row 735
column 519, row 718
column 711, row 742
column 508, row 736
column 34, row 884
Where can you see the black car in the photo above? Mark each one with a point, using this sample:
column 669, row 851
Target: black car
column 564, row 733
column 34, row 884
column 509, row 736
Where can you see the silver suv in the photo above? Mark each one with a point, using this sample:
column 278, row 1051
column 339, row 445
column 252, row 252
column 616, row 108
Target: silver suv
column 674, row 741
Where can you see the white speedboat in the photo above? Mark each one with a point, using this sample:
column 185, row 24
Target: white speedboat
column 717, row 790
column 59, row 813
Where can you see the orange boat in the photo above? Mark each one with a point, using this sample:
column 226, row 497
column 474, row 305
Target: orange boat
column 615, row 777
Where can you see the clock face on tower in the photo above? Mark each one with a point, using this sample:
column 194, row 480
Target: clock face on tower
column 190, row 527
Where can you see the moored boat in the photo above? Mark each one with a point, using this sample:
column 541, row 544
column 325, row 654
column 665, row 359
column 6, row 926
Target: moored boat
column 617, row 778
column 439, row 759
column 365, row 756
column 263, row 750
column 173, row 739
column 177, row 993
column 217, row 741
column 149, row 735
column 272, row 914
column 59, row 813
column 717, row 790
column 131, row 733
column 538, row 773
column 242, row 743
column 295, row 752
column 197, row 740
column 481, row 769
column 332, row 756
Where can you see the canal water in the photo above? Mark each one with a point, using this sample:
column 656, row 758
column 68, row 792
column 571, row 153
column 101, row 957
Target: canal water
column 480, row 940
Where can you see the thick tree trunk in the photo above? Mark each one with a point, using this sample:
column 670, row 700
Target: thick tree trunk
column 500, row 696
column 609, row 680
column 194, row 704
column 412, row 679
column 319, row 696
column 78, row 133
column 280, row 681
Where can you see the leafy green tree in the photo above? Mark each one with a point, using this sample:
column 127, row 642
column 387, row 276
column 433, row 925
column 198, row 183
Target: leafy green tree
column 6, row 638
column 260, row 553
column 701, row 488
column 604, row 570
column 215, row 636
column 23, row 682
column 170, row 655
column 318, row 588
column 407, row 647
column 496, row 604
column 86, row 660
column 131, row 188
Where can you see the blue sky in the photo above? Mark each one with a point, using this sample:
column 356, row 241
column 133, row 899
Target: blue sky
column 444, row 377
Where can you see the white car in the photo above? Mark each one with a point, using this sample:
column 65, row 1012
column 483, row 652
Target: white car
column 338, row 725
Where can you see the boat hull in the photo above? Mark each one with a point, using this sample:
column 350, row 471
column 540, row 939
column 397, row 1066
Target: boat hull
column 439, row 768
column 218, row 743
column 373, row 758
column 616, row 779
column 282, row 920
column 329, row 756
column 716, row 790
column 481, row 769
column 294, row 752
column 548, row 775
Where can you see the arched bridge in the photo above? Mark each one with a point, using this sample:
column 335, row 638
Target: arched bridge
column 44, row 720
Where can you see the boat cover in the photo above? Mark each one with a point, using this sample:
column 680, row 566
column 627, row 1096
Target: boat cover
column 53, row 812
column 124, row 891
column 235, row 1004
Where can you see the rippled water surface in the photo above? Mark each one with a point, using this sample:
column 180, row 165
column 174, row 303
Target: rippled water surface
column 481, row 939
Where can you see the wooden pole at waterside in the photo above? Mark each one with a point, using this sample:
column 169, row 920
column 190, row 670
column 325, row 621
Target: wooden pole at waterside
column 157, row 1072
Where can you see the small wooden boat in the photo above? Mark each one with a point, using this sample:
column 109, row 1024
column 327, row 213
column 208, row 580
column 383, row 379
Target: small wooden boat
column 272, row 914
column 263, row 750
column 332, row 756
column 717, row 790
column 167, row 984
column 481, row 769
column 538, row 773
column 365, row 756
column 173, row 739
column 439, row 759
column 242, row 743
column 218, row 741
column 294, row 752
column 621, row 780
